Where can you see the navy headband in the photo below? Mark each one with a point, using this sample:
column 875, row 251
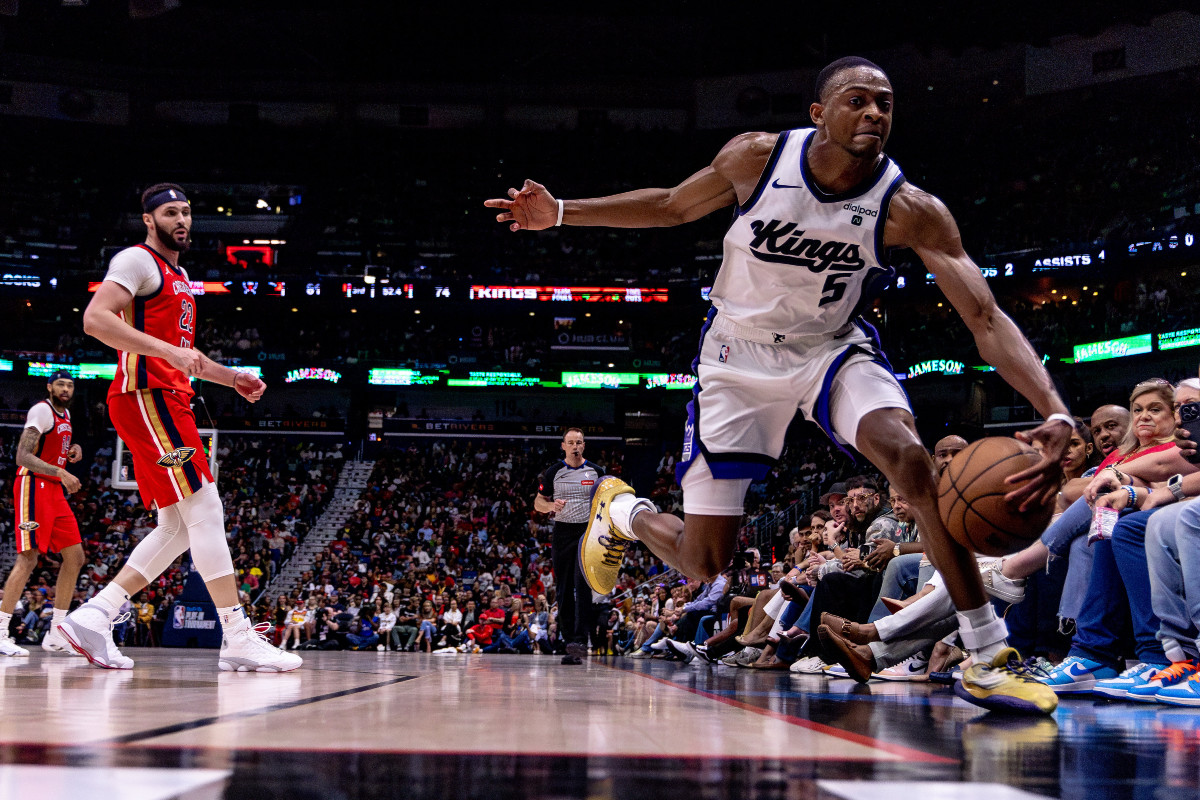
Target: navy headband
column 165, row 196
column 59, row 374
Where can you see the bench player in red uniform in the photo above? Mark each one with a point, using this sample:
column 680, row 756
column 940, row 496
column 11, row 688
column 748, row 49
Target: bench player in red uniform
column 45, row 522
column 145, row 309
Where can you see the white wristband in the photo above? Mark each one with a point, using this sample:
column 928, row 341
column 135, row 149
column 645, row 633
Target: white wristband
column 560, row 213
column 1061, row 418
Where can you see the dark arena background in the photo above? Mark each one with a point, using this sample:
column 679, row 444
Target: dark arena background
column 423, row 363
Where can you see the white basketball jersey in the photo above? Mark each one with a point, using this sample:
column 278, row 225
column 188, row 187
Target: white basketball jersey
column 801, row 261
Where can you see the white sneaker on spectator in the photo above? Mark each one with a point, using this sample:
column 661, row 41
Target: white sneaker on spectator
column 9, row 648
column 660, row 645
column 247, row 650
column 1009, row 590
column 55, row 642
column 911, row 669
column 813, row 665
column 89, row 632
column 640, row 653
column 682, row 649
column 836, row 671
column 731, row 659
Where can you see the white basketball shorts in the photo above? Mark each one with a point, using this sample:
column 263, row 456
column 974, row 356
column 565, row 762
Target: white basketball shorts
column 749, row 386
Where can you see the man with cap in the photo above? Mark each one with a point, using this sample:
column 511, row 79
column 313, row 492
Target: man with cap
column 145, row 310
column 45, row 522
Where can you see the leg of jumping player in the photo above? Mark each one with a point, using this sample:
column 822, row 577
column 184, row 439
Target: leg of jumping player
column 888, row 437
column 699, row 546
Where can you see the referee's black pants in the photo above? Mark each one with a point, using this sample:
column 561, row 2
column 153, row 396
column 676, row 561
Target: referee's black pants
column 575, row 613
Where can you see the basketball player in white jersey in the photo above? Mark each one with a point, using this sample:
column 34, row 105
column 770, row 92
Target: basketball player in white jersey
column 817, row 209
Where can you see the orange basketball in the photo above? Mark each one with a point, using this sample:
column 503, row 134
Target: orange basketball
column 971, row 498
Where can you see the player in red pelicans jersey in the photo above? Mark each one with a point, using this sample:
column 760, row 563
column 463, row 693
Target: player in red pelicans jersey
column 145, row 309
column 45, row 523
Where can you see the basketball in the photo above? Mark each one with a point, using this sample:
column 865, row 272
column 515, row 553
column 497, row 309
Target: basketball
column 971, row 498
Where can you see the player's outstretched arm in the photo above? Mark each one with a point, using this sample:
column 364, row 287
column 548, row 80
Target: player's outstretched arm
column 102, row 320
column 927, row 226
column 734, row 171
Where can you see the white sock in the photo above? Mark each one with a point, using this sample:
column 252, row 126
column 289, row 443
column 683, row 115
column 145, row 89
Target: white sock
column 111, row 598
column 5, row 621
column 59, row 615
column 983, row 633
column 233, row 619
column 623, row 508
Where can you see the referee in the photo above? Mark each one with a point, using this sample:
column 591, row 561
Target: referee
column 565, row 489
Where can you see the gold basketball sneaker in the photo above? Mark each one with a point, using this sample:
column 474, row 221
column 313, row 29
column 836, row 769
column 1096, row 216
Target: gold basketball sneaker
column 602, row 548
column 1006, row 685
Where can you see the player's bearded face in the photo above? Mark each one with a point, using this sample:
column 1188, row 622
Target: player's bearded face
column 63, row 390
column 173, row 224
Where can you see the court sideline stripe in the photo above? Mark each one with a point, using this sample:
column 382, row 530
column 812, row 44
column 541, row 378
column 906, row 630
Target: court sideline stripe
column 154, row 733
column 837, row 733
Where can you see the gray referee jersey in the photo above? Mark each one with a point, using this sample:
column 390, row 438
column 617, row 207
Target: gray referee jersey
column 573, row 484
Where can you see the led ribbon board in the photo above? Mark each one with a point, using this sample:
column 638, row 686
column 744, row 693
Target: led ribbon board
column 600, row 380
column 1113, row 348
column 312, row 374
column 669, row 380
column 568, row 294
column 939, row 366
column 43, row 369
column 495, row 379
column 1176, row 339
column 400, row 377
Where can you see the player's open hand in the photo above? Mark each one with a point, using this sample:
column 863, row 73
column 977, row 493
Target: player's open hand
column 249, row 386
column 532, row 208
column 1039, row 484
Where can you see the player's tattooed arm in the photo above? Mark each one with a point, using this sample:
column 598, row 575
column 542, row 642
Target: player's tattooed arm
column 26, row 459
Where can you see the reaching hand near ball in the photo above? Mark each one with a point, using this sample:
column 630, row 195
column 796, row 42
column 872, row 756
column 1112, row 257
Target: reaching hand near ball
column 1041, row 482
column 531, row 208
column 249, row 386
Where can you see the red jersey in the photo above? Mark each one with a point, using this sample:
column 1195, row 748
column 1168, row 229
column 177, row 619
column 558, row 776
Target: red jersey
column 55, row 442
column 170, row 315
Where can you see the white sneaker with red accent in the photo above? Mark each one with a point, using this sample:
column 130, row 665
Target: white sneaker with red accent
column 248, row 650
column 89, row 632
column 55, row 642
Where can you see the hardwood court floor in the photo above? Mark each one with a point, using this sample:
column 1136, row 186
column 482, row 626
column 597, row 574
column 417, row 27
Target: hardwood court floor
column 493, row 726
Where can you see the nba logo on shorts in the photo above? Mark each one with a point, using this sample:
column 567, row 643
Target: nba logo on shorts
column 723, row 356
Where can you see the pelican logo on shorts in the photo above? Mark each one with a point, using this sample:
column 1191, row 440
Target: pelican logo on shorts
column 723, row 355
column 784, row 243
column 30, row 526
column 177, row 457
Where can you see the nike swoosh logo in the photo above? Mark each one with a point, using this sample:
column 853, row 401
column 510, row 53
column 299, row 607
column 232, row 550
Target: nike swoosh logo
column 775, row 184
